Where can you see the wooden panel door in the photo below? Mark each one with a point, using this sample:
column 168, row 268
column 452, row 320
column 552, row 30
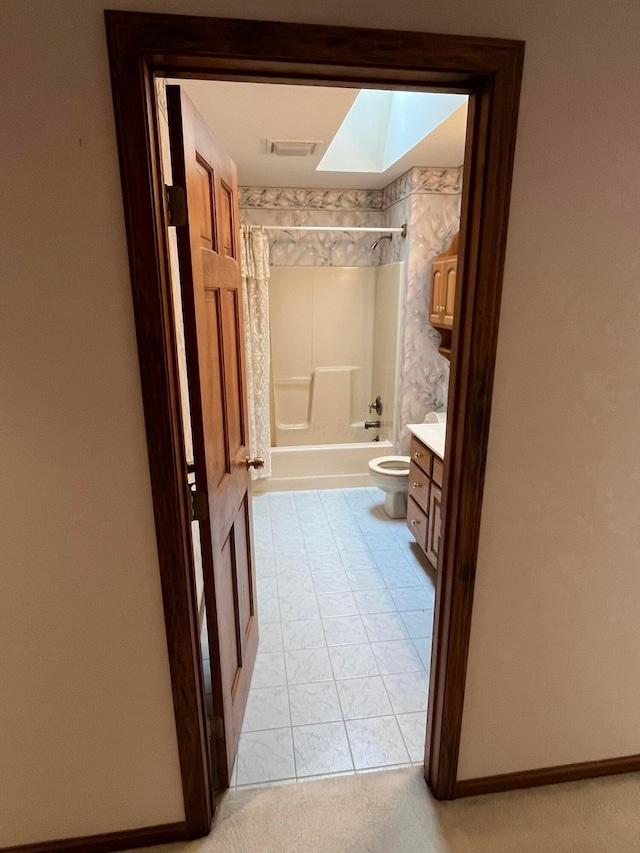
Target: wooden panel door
column 434, row 525
column 450, row 274
column 208, row 247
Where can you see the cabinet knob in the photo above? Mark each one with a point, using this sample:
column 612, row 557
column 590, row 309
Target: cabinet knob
column 416, row 485
column 414, row 521
column 417, row 455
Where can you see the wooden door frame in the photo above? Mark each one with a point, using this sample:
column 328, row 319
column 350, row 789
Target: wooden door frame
column 142, row 46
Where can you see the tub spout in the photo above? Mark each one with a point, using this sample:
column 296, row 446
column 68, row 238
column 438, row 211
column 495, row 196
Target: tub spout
column 372, row 424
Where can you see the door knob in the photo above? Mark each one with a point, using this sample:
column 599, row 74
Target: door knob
column 256, row 462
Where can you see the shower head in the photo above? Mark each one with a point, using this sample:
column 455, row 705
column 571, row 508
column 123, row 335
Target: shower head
column 374, row 245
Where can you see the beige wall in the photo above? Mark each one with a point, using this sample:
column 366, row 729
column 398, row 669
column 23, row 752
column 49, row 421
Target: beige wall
column 87, row 739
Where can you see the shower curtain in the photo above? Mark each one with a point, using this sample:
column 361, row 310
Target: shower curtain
column 254, row 256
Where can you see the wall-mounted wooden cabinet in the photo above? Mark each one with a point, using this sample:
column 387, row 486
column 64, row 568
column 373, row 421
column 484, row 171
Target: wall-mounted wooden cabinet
column 444, row 273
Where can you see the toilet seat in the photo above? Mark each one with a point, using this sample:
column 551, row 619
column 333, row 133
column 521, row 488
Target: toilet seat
column 390, row 466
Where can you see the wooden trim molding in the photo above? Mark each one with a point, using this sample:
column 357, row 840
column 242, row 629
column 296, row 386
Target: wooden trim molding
column 145, row 837
column 547, row 776
column 142, row 46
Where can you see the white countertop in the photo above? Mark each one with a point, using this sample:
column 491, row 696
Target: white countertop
column 433, row 435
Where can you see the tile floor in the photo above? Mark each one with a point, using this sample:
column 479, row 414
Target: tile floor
column 345, row 606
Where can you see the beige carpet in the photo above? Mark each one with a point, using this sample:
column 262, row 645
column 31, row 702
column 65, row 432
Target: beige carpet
column 392, row 812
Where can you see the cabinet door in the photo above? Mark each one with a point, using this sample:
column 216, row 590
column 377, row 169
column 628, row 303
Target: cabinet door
column 417, row 523
column 434, row 525
column 449, row 284
column 438, row 293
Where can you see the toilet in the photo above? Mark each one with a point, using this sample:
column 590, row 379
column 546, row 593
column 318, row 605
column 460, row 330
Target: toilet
column 391, row 474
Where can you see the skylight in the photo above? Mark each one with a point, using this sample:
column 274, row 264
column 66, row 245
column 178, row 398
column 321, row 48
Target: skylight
column 382, row 126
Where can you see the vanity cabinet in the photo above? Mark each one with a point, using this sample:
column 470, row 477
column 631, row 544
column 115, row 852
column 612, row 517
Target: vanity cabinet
column 444, row 275
column 423, row 504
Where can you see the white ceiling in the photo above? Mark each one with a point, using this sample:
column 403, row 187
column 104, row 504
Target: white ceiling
column 243, row 115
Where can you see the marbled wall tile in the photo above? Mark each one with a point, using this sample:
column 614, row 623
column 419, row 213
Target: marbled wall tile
column 423, row 180
column 286, row 198
column 318, row 248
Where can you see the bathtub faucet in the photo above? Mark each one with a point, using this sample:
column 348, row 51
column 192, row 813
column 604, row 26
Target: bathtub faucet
column 372, row 424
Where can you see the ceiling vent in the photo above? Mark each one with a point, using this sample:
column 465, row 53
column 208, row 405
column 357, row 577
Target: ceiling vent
column 292, row 147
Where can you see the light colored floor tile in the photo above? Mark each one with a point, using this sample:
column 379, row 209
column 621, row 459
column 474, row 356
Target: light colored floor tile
column 290, row 543
column 358, row 561
column 351, row 543
column 337, row 604
column 268, row 670
column 336, row 570
column 412, row 598
column 353, row 661
column 366, row 579
column 264, row 550
column 314, row 703
column 265, row 567
column 265, row 756
column 374, row 601
column 303, row 606
column 267, row 708
column 384, row 626
column 321, row 547
column 303, row 634
column 344, row 630
column 419, row 623
column 397, row 656
column 376, row 742
column 288, row 562
column 363, row 697
column 414, row 728
column 268, row 610
column 325, row 563
column 407, row 691
column 380, row 542
column 391, row 558
column 321, row 748
column 423, row 647
column 267, row 587
column 325, row 582
column 396, row 577
column 270, row 638
column 295, row 583
column 306, row 665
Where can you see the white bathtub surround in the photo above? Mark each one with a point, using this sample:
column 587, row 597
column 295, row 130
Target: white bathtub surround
column 323, row 466
column 254, row 255
column 334, row 343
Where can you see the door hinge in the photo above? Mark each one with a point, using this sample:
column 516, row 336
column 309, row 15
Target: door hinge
column 199, row 505
column 215, row 727
column 176, row 205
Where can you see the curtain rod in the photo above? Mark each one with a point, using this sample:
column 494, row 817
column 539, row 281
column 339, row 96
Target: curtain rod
column 402, row 230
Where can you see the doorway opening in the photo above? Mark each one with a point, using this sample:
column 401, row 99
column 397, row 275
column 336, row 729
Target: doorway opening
column 202, row 205
column 342, row 368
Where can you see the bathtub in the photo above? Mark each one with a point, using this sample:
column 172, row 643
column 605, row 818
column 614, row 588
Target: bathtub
column 322, row 466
